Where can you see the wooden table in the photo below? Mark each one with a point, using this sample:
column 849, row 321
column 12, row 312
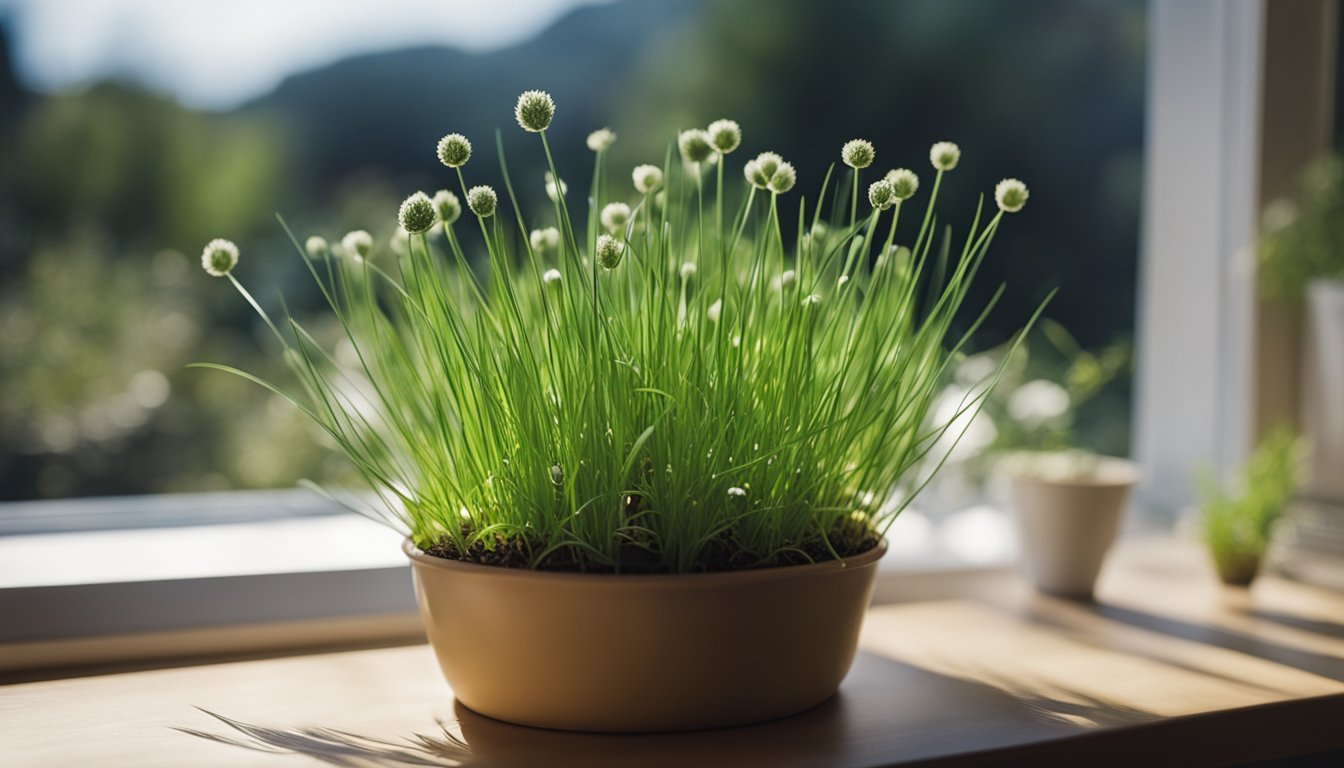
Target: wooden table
column 1166, row 668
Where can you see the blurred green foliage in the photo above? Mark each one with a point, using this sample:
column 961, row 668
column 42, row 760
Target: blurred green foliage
column 1238, row 520
column 1304, row 238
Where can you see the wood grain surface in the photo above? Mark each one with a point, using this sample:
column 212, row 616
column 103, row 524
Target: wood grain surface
column 1165, row 668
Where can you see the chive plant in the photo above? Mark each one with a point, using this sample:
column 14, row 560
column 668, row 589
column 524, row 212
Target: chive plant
column 667, row 382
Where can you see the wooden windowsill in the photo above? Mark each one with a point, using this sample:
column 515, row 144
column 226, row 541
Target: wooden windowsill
column 1166, row 665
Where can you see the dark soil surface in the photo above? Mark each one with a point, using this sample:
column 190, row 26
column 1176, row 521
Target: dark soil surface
column 722, row 554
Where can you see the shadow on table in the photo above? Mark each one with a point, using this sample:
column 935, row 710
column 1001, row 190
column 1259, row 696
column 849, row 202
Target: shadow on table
column 342, row 748
column 887, row 711
column 1306, row 661
column 1314, row 626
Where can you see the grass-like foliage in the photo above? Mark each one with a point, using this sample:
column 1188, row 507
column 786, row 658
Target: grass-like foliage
column 1304, row 238
column 1238, row 521
column 665, row 381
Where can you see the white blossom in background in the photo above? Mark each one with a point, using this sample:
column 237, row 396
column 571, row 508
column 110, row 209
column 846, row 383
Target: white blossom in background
column 976, row 369
column 970, row 432
column 555, row 190
column 1037, row 402
column 601, row 139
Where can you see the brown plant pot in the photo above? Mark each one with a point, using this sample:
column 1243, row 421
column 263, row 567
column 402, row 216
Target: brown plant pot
column 628, row 653
column 1237, row 570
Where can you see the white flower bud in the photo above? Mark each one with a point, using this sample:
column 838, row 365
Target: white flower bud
column 811, row 300
column 550, row 276
column 545, row 240
column 945, row 155
column 609, row 251
column 482, row 201
column 448, row 206
column 648, row 178
column 688, row 270
column 784, row 179
column 694, row 145
column 1011, row 195
column 615, row 216
column 737, row 493
column 787, row 279
column 768, row 163
column 755, row 176
column 219, row 257
column 724, row 135
column 357, row 244
column 904, row 182
column 534, row 111
column 601, row 139
column 715, row 310
column 417, row 214
column 881, row 195
column 858, row 153
column 555, row 189
column 316, row 247
column 454, row 150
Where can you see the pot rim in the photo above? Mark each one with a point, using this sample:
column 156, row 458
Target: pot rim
column 1120, row 473
column 864, row 559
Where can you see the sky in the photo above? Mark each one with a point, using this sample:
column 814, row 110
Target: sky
column 215, row 54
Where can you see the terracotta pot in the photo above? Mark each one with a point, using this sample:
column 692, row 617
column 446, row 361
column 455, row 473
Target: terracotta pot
column 595, row 652
column 1067, row 526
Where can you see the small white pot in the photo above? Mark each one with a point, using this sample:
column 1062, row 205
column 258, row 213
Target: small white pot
column 1323, row 388
column 1067, row 524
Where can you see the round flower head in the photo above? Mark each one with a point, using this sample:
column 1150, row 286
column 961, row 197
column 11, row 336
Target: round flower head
column 417, row 214
column 535, row 110
column 1011, row 195
column 904, row 182
column 944, row 155
column 647, row 178
column 688, row 270
column 787, row 279
column 482, row 201
column 219, row 257
column 881, row 194
column 784, row 179
column 614, row 216
column 454, row 150
column 357, row 244
column 768, row 163
column 755, row 176
column 724, row 135
column 601, row 139
column 545, row 240
column 858, row 153
column 448, row 206
column 550, row 276
column 694, row 145
column 316, row 247
column 555, row 188
column 609, row 251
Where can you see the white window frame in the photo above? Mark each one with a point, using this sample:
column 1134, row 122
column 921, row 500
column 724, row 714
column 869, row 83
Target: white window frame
column 1220, row 144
